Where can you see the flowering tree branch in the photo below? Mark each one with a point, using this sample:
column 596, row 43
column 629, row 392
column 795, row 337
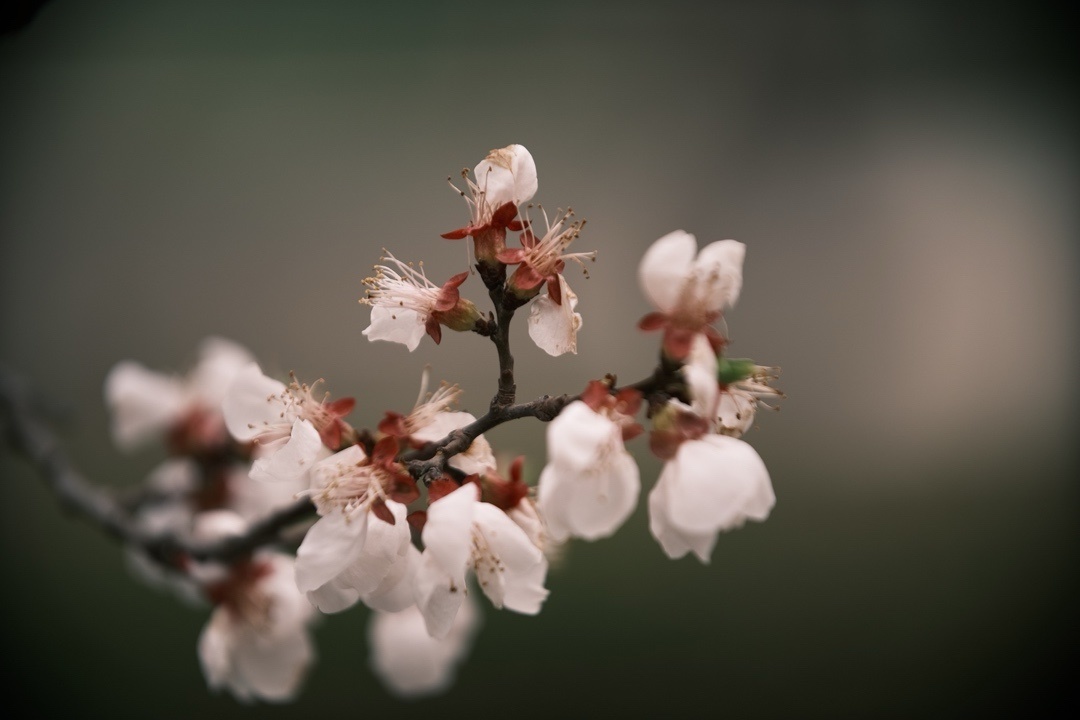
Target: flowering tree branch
column 256, row 466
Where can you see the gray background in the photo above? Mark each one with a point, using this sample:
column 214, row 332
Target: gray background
column 904, row 176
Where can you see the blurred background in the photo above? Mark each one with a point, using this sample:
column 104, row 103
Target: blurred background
column 904, row 176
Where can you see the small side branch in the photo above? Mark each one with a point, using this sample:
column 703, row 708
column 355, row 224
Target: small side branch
column 33, row 439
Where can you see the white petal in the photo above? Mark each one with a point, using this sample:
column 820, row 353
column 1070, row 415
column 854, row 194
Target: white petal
column 447, row 533
column 215, row 649
column 220, row 361
column 395, row 592
column 294, row 459
column 578, row 435
column 507, row 175
column 143, row 403
column 333, row 596
column 218, row 524
column 675, row 542
column 175, row 476
column 723, row 262
column 477, row 459
column 254, row 500
column 399, row 325
column 604, row 497
column 704, row 390
column 553, row 498
column 717, row 483
column 735, row 412
column 333, row 543
column 438, row 595
column 525, row 591
column 273, row 668
column 338, row 465
column 409, row 661
column 553, row 327
column 665, row 267
column 253, row 402
column 383, row 547
column 509, row 568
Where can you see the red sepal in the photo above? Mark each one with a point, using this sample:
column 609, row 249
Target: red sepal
column 504, row 215
column 393, row 424
column 458, row 234
column 385, row 451
column 510, row 256
column 652, row 321
column 677, row 342
column 596, row 395
column 403, row 489
column 554, row 288
column 664, row 443
column 341, row 407
column 434, row 330
column 379, row 510
column 438, row 489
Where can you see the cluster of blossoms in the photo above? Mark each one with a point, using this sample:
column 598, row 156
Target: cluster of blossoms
column 414, row 518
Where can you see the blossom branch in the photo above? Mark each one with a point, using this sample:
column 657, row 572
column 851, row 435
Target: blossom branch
column 32, row 438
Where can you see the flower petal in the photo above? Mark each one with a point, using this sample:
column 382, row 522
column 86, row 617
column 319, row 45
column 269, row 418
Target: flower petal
column 292, row 460
column 409, row 661
column 143, row 403
column 400, row 325
column 554, row 327
column 438, row 595
column 252, row 402
column 447, row 533
column 332, row 544
column 718, row 482
column 664, row 268
column 722, row 262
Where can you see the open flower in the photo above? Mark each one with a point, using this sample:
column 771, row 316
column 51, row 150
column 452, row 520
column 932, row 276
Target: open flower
column 405, row 304
column 728, row 391
column 408, row 660
column 257, row 643
column 689, row 289
column 361, row 534
column 591, row 483
column 461, row 534
column 505, row 179
column 432, row 419
column 145, row 403
column 293, row 428
column 712, row 484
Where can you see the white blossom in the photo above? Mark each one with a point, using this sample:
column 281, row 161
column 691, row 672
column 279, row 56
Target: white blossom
column 712, row 484
column 145, row 403
column 411, row 663
column 591, row 483
column 350, row 552
column 286, row 422
column 257, row 643
column 464, row 534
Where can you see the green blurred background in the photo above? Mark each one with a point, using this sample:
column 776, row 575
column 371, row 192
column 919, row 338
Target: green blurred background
column 904, row 176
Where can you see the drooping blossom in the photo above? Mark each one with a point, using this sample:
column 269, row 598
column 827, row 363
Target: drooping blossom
column 257, row 643
column 292, row 428
column 359, row 546
column 432, row 419
column 462, row 534
column 710, row 482
column 183, row 410
column 689, row 289
column 411, row 663
column 405, row 304
column 505, row 179
column 591, row 483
